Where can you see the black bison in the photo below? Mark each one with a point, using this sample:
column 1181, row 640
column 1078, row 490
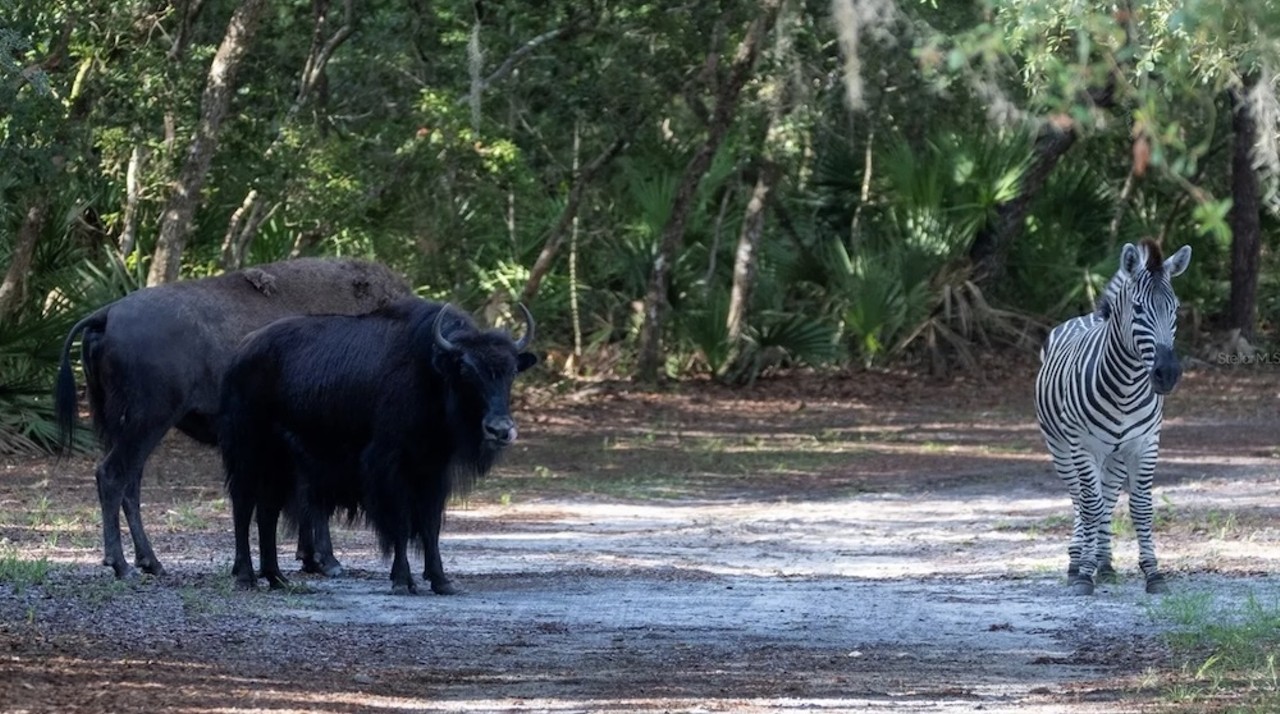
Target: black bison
column 155, row 359
column 385, row 414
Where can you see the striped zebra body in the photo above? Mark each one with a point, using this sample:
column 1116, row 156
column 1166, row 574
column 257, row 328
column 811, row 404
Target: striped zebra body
column 1099, row 400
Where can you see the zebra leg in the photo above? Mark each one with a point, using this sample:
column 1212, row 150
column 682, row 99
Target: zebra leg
column 1114, row 476
column 1142, row 510
column 1062, row 463
column 1090, row 515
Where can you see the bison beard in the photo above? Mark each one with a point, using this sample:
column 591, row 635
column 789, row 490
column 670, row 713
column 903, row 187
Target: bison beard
column 154, row 360
column 385, row 414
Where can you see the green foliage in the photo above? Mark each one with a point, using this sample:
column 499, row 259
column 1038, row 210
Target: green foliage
column 31, row 348
column 1225, row 650
column 1067, row 253
column 902, row 280
column 784, row 338
column 20, row 573
column 864, row 255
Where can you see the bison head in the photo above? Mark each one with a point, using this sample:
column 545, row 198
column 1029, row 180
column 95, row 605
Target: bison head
column 481, row 366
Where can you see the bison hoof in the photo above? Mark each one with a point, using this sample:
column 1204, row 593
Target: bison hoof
column 276, row 581
column 330, row 568
column 1157, row 585
column 123, row 570
column 404, row 589
column 1081, row 585
column 249, row 583
column 127, row 572
column 151, row 566
column 1106, row 573
column 445, row 587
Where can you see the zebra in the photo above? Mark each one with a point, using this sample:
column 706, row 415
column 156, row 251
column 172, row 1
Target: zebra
column 1099, row 401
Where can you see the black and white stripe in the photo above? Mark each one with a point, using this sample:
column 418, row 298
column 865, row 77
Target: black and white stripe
column 1099, row 399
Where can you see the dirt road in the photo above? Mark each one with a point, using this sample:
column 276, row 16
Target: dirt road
column 894, row 546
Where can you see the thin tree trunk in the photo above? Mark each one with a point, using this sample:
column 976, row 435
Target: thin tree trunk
column 242, row 231
column 573, row 256
column 650, row 358
column 184, row 196
column 132, row 193
column 188, row 11
column 479, row 85
column 744, row 261
column 1244, row 216
column 992, row 244
column 555, row 238
column 13, row 289
column 716, row 232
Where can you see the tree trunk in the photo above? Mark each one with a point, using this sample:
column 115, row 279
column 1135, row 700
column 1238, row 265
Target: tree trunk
column 1244, row 216
column 650, row 358
column 133, row 191
column 551, row 247
column 744, row 262
column 187, row 11
column 184, row 196
column 13, row 290
column 246, row 220
column 991, row 246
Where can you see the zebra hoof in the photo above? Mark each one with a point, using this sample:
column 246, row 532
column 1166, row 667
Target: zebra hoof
column 1157, row 585
column 1105, row 574
column 1081, row 585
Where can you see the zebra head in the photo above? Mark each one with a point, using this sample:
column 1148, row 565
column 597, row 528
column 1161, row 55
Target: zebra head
column 1144, row 306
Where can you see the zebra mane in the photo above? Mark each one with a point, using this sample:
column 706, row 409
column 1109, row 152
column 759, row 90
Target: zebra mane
column 1154, row 264
column 1102, row 308
column 1155, row 257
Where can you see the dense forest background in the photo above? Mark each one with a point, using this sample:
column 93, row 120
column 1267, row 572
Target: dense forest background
column 675, row 188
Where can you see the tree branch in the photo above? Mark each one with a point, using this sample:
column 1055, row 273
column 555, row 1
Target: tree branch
column 509, row 64
column 556, row 237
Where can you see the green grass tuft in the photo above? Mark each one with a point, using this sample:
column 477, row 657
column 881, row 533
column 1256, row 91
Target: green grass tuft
column 1226, row 652
column 21, row 573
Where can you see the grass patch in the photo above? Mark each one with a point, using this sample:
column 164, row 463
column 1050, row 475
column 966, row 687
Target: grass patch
column 100, row 591
column 1056, row 525
column 21, row 573
column 1166, row 513
column 209, row 598
column 1226, row 653
column 670, row 466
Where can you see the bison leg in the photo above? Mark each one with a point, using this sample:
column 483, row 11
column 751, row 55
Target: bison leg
column 433, row 566
column 119, row 479
column 401, row 577
column 315, row 546
column 267, row 519
column 110, row 496
column 143, row 556
column 433, row 570
column 242, row 515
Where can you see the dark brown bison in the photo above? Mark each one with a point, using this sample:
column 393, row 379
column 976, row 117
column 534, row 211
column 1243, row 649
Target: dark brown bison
column 155, row 359
column 384, row 414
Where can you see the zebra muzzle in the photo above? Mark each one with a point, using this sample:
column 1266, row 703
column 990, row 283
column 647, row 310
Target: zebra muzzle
column 1166, row 371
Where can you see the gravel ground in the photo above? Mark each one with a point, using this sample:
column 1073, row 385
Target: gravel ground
column 796, row 547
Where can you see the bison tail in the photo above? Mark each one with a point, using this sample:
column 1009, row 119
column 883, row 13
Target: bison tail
column 65, row 402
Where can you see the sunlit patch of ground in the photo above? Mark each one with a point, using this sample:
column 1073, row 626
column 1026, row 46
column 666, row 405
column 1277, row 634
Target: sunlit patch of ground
column 880, row 543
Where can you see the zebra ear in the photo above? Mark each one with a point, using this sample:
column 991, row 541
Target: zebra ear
column 1130, row 259
column 1178, row 262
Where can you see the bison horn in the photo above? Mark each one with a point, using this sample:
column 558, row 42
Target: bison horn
column 523, row 343
column 441, row 341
